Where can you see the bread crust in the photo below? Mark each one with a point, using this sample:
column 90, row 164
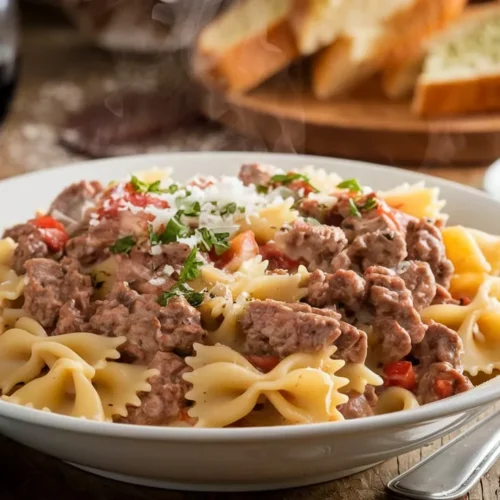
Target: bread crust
column 461, row 96
column 334, row 70
column 400, row 77
column 251, row 62
column 400, row 74
column 303, row 16
column 409, row 28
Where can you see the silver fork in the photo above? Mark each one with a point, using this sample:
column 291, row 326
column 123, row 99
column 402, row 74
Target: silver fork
column 455, row 468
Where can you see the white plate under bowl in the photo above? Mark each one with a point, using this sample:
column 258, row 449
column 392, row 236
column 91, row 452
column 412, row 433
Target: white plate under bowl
column 237, row 459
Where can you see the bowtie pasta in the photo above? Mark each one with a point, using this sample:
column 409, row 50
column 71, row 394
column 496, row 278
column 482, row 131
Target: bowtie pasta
column 273, row 297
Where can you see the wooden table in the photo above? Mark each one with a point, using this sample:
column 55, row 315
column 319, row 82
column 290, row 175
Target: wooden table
column 60, row 72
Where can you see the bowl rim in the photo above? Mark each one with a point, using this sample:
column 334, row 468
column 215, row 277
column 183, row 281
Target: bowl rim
column 479, row 396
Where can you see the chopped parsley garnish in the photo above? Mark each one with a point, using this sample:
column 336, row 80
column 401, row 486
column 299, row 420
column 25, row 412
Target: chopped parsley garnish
column 191, row 269
column 218, row 241
column 190, row 209
column 370, row 204
column 262, row 189
column 154, row 187
column 138, row 185
column 175, row 229
column 181, row 290
column 173, row 188
column 154, row 238
column 144, row 187
column 230, row 208
column 290, row 177
column 353, row 208
column 287, row 178
column 123, row 245
column 351, row 185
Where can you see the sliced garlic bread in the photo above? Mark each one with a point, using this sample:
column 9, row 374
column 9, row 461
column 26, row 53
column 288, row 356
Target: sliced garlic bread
column 245, row 45
column 462, row 68
column 318, row 23
column 370, row 47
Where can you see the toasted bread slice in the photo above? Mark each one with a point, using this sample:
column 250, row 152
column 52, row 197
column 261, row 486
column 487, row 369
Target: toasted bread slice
column 318, row 23
column 336, row 69
column 462, row 68
column 245, row 45
column 400, row 76
column 342, row 65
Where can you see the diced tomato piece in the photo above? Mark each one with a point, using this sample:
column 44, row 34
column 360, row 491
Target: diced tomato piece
column 277, row 259
column 400, row 374
column 48, row 222
column 53, row 232
column 111, row 211
column 241, row 248
column 143, row 200
column 443, row 388
column 115, row 198
column 298, row 184
column 54, row 238
column 263, row 363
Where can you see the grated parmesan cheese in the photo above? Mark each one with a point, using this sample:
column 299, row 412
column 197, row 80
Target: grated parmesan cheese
column 168, row 270
column 156, row 250
column 157, row 281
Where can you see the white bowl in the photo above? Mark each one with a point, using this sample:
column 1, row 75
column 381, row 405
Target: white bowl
column 237, row 459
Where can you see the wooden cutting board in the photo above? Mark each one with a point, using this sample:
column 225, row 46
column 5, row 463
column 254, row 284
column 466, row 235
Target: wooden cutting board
column 364, row 125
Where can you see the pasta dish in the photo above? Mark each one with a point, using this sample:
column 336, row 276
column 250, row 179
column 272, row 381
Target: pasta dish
column 269, row 298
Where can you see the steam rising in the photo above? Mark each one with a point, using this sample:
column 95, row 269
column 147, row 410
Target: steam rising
column 186, row 18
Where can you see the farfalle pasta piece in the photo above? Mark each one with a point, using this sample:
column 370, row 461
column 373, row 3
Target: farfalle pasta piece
column 463, row 251
column 303, row 388
column 359, row 376
column 104, row 277
column 11, row 285
column 265, row 223
column 416, row 200
column 31, row 326
column 395, row 399
column 66, row 389
column 94, row 349
column 477, row 324
column 42, row 354
column 78, row 359
column 9, row 316
column 251, row 279
column 224, row 307
column 7, row 248
column 26, row 349
column 490, row 246
column 475, row 255
column 118, row 385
